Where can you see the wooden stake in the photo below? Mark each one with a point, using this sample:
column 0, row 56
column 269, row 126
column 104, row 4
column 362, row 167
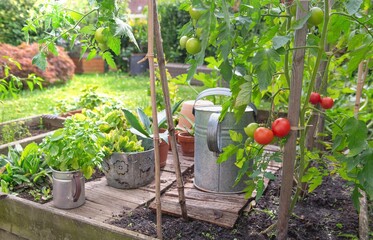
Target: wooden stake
column 150, row 56
column 293, row 116
column 170, row 122
column 363, row 214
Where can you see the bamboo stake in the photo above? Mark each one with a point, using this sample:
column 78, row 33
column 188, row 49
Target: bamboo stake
column 363, row 214
column 293, row 116
column 150, row 56
column 170, row 123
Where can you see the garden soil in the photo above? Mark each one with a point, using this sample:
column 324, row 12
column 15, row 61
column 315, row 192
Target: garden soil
column 326, row 213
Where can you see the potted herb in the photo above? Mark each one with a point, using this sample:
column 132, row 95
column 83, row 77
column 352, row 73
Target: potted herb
column 72, row 153
column 142, row 126
column 128, row 162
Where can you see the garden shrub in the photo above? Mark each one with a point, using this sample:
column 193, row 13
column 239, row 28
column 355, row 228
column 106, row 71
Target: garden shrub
column 60, row 68
column 13, row 15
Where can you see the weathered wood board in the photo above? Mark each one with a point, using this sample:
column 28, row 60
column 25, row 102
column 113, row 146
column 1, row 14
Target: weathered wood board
column 216, row 208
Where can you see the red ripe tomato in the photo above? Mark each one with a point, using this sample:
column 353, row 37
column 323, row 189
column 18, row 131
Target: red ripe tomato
column 263, row 135
column 281, row 127
column 327, row 102
column 315, row 98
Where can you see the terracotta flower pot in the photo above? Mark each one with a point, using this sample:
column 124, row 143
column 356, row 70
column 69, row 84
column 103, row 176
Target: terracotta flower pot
column 186, row 143
column 187, row 111
column 163, row 153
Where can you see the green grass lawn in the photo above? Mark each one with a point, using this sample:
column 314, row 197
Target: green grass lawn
column 133, row 91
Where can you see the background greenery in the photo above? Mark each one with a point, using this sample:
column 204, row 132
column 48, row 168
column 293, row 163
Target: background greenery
column 133, row 91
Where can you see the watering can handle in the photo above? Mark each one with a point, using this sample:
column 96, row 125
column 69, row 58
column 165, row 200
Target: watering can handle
column 212, row 92
column 219, row 91
column 78, row 186
column 213, row 133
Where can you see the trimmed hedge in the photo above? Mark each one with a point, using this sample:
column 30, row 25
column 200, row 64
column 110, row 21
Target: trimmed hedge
column 60, row 68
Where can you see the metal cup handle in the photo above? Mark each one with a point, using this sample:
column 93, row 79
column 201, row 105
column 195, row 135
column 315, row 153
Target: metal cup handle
column 213, row 133
column 78, row 186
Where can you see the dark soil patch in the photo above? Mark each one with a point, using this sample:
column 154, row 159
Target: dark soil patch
column 327, row 213
column 17, row 131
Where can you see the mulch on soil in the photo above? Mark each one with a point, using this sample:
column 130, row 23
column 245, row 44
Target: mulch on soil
column 326, row 213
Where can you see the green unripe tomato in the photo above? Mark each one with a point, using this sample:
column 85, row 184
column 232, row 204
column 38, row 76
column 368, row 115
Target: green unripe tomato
column 250, row 129
column 99, row 36
column 193, row 46
column 195, row 13
column 183, row 41
column 317, row 16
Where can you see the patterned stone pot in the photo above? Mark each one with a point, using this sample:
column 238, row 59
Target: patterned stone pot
column 129, row 170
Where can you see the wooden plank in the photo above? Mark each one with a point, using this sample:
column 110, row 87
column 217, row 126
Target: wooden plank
column 167, row 179
column 31, row 220
column 94, row 211
column 193, row 193
column 220, row 218
column 185, row 163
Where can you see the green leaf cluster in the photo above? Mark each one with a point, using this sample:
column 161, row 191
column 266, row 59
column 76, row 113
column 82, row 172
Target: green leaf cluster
column 354, row 150
column 252, row 161
column 23, row 169
column 77, row 29
column 75, row 146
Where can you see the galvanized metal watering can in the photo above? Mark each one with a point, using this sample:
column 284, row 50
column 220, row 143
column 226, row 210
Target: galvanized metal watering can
column 211, row 136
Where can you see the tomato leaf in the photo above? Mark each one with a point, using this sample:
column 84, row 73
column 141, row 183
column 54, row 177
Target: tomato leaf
column 226, row 70
column 280, row 41
column 235, row 136
column 114, row 44
column 40, row 60
column 357, row 131
column 366, row 175
column 264, row 63
column 124, row 29
column 91, row 54
column 244, row 95
column 109, row 59
column 228, row 151
column 259, row 189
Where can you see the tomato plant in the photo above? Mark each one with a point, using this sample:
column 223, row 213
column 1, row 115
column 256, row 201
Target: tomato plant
column 250, row 129
column 316, row 17
column 326, row 102
column 281, row 127
column 193, row 46
column 195, row 13
column 263, row 135
column 183, row 41
column 254, row 42
column 100, row 36
column 315, row 98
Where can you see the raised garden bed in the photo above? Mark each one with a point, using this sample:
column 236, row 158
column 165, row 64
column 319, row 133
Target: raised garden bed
column 38, row 127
